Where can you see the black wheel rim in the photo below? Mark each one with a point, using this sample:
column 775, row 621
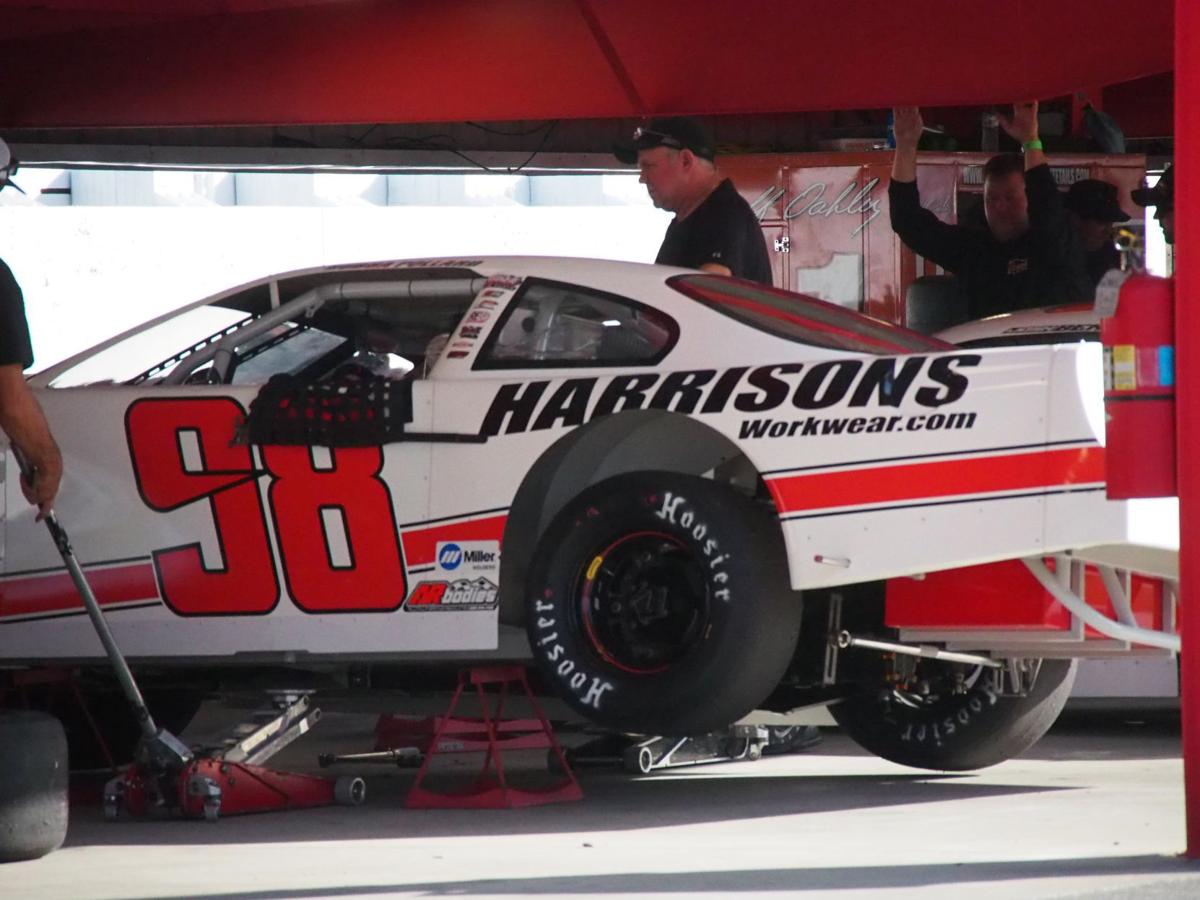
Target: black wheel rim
column 644, row 602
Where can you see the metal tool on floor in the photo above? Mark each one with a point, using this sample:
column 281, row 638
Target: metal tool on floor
column 166, row 775
column 649, row 754
column 404, row 757
column 400, row 740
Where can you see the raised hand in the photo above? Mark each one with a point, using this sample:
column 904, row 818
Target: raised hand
column 1022, row 125
column 907, row 125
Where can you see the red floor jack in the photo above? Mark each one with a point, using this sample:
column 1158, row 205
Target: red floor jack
column 166, row 775
column 230, row 779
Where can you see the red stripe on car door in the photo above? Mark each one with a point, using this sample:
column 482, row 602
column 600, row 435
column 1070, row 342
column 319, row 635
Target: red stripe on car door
column 420, row 545
column 51, row 593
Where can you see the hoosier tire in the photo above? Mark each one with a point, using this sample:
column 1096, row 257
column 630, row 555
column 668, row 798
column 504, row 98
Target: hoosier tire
column 660, row 603
column 954, row 731
column 33, row 785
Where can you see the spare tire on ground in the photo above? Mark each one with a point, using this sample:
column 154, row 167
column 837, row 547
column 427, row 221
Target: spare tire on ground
column 33, row 785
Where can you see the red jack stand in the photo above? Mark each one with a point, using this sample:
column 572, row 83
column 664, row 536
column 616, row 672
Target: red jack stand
column 229, row 781
column 492, row 734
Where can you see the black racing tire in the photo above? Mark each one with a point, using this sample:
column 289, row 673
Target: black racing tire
column 953, row 731
column 660, row 603
column 33, row 785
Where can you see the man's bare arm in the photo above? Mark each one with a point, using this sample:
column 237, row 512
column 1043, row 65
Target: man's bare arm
column 716, row 269
column 907, row 126
column 23, row 421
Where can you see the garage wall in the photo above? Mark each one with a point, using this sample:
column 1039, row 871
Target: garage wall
column 98, row 252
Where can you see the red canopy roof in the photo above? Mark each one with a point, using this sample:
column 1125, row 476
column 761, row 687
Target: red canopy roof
column 79, row 63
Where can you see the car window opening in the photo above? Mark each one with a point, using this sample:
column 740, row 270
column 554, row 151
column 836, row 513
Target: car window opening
column 555, row 325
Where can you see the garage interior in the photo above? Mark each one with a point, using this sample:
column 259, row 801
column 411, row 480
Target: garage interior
column 541, row 88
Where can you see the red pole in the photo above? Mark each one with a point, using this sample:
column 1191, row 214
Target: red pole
column 1187, row 340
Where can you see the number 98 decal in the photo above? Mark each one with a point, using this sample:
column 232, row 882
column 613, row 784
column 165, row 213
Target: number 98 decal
column 339, row 545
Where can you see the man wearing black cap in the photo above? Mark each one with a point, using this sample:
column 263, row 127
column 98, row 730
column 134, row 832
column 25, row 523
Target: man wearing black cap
column 1094, row 209
column 714, row 229
column 21, row 417
column 1162, row 198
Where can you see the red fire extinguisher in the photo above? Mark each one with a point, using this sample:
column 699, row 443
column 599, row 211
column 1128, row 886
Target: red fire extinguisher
column 1139, row 388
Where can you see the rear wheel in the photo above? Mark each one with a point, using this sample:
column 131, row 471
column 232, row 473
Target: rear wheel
column 33, row 785
column 952, row 717
column 659, row 603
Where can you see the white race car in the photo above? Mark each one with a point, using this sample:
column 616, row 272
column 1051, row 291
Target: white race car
column 639, row 469
column 1047, row 325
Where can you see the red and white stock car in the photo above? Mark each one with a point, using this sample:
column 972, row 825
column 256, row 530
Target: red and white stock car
column 687, row 496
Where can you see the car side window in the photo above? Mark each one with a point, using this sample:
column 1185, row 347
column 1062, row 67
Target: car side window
column 555, row 325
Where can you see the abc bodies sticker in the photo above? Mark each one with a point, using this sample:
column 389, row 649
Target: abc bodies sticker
column 465, row 577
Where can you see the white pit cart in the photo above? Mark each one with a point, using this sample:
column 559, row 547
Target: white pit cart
column 685, row 496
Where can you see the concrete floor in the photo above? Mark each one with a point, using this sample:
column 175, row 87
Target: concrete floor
column 1094, row 810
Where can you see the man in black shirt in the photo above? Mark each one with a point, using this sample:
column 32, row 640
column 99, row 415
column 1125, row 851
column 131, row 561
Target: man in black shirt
column 21, row 417
column 1028, row 256
column 714, row 229
column 1094, row 209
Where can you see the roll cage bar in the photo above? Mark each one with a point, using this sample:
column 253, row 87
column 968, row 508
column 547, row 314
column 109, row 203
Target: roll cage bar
column 221, row 353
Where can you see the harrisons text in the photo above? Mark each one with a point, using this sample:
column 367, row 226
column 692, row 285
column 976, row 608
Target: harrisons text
column 929, row 381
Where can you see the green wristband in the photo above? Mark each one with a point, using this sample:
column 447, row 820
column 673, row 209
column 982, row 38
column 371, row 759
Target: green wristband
column 1035, row 144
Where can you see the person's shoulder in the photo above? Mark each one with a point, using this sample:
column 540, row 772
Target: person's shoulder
column 725, row 203
column 727, row 193
column 8, row 281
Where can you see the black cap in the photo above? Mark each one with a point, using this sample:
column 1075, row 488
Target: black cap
column 1162, row 194
column 1095, row 200
column 680, row 133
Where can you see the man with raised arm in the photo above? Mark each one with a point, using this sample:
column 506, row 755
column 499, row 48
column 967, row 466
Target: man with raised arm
column 1027, row 256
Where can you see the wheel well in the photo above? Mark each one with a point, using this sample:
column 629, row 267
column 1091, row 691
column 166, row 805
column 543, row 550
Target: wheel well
column 637, row 440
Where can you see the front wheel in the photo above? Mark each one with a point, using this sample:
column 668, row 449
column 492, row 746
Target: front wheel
column 660, row 603
column 951, row 717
